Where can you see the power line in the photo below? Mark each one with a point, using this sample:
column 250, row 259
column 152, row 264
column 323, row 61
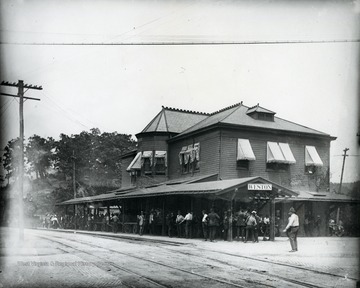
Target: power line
column 5, row 103
column 71, row 112
column 66, row 113
column 183, row 43
column 346, row 155
column 8, row 105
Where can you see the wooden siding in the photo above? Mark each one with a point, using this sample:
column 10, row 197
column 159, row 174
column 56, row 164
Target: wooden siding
column 152, row 143
column 218, row 152
column 295, row 177
column 209, row 155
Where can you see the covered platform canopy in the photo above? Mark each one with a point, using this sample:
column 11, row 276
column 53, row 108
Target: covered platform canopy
column 243, row 189
column 326, row 197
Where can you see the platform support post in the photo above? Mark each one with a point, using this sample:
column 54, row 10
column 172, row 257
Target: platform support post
column 272, row 218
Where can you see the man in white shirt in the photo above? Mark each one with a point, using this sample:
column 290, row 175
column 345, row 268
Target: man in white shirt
column 179, row 220
column 292, row 229
column 204, row 224
column 188, row 224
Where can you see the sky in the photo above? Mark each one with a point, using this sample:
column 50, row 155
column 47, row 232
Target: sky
column 122, row 87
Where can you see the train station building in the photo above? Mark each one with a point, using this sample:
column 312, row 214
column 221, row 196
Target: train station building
column 237, row 157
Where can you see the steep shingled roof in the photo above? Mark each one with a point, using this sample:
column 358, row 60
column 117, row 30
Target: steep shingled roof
column 174, row 120
column 238, row 115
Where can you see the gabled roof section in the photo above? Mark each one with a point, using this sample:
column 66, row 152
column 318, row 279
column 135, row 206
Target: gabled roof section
column 237, row 115
column 174, row 120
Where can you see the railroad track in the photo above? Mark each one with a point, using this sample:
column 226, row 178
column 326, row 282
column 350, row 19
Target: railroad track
column 152, row 241
column 291, row 282
column 141, row 276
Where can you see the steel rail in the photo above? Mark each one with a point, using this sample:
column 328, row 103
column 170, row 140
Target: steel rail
column 147, row 260
column 293, row 281
column 239, row 256
column 102, row 258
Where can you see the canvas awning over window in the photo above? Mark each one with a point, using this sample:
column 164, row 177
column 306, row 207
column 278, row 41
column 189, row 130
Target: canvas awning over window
column 312, row 157
column 279, row 153
column 197, row 151
column 244, row 150
column 274, row 154
column 187, row 154
column 181, row 154
column 146, row 154
column 161, row 154
column 288, row 155
column 135, row 163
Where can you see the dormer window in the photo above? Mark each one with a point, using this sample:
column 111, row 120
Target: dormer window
column 264, row 116
column 260, row 113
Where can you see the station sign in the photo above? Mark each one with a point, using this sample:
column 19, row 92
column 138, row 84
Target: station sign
column 257, row 186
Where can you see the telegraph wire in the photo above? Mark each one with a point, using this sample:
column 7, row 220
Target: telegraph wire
column 66, row 113
column 6, row 102
column 71, row 113
column 182, row 43
column 5, row 121
column 8, row 105
column 55, row 33
column 346, row 155
column 113, row 37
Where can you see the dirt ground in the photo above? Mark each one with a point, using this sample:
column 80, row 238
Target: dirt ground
column 57, row 259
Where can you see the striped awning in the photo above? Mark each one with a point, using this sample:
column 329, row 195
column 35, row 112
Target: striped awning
column 288, row 155
column 244, row 150
column 312, row 157
column 135, row 163
column 279, row 153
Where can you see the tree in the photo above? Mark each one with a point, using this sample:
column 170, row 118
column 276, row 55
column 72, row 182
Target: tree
column 11, row 158
column 39, row 155
column 96, row 161
column 97, row 155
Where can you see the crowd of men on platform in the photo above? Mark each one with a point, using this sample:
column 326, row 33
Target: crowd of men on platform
column 244, row 225
column 210, row 226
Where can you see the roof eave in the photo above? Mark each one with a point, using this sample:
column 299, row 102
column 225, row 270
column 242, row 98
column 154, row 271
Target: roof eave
column 155, row 133
column 252, row 128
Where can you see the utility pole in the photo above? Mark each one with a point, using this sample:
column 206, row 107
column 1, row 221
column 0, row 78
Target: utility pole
column 74, row 186
column 20, row 85
column 74, row 181
column 342, row 170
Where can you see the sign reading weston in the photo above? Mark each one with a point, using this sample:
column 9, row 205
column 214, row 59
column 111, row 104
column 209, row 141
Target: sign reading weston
column 267, row 187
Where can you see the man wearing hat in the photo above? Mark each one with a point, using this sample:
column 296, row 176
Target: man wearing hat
column 292, row 229
column 250, row 226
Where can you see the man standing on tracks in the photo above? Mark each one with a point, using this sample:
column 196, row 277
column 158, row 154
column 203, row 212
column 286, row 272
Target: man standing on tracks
column 292, row 229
